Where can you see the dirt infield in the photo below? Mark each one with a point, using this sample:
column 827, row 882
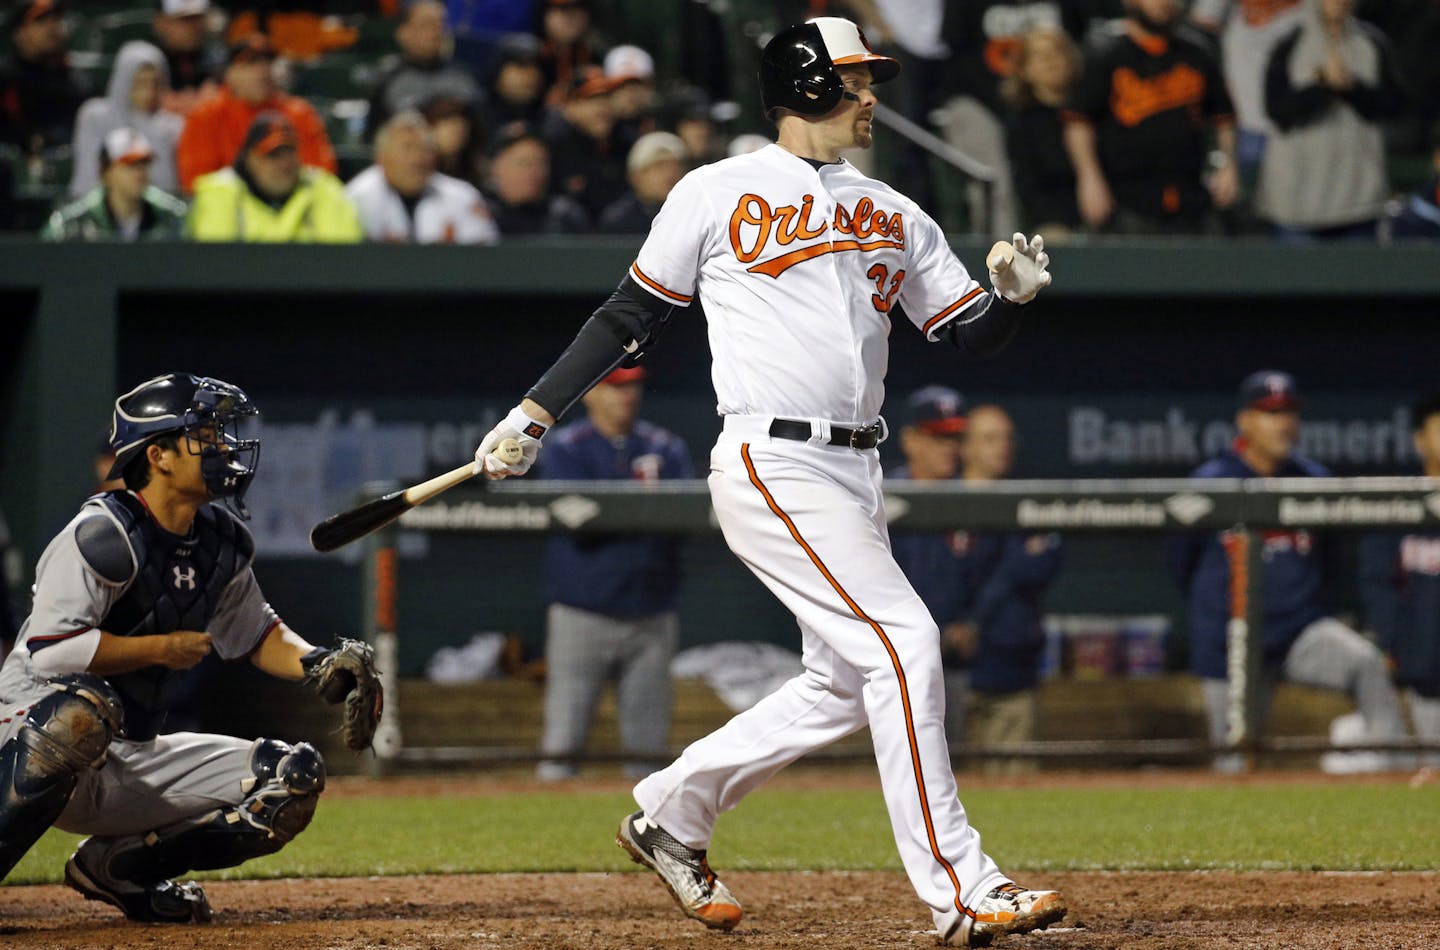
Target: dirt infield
column 1175, row 911
column 627, row 911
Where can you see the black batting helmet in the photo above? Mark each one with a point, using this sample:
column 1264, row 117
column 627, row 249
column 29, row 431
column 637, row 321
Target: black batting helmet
column 797, row 67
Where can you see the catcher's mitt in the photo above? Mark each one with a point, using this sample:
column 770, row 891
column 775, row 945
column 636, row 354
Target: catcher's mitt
column 346, row 674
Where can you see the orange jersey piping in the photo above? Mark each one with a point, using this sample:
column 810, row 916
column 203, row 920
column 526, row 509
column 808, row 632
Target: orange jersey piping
column 663, row 291
column 894, row 660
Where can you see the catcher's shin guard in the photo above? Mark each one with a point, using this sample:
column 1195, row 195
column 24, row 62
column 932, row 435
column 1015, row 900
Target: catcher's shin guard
column 65, row 732
column 280, row 801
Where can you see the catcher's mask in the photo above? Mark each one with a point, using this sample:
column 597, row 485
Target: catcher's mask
column 211, row 415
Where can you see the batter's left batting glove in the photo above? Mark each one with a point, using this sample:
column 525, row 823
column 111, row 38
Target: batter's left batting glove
column 1018, row 268
column 520, row 427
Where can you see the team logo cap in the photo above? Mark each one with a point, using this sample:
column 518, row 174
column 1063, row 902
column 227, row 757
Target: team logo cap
column 936, row 410
column 1270, row 390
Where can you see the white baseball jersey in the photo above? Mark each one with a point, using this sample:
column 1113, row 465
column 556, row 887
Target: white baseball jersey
column 450, row 211
column 800, row 269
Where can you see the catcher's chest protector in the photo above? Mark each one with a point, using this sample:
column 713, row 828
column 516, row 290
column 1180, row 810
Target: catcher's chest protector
column 176, row 585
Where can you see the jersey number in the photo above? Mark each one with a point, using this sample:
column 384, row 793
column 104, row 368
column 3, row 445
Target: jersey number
column 883, row 299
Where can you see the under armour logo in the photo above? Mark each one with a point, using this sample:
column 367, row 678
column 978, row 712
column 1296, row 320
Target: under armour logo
column 184, row 579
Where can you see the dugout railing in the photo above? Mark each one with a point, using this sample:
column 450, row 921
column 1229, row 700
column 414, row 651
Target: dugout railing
column 1243, row 509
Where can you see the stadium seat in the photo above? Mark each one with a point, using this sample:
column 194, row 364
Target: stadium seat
column 1409, row 171
column 337, row 76
column 38, row 174
column 40, row 184
column 352, row 159
column 93, row 68
column 344, row 119
column 102, row 7
column 377, row 37
column 107, row 33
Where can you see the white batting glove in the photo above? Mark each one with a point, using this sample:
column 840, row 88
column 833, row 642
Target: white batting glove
column 1018, row 268
column 524, row 430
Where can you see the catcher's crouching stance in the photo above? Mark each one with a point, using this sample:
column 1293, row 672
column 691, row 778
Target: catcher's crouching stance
column 142, row 583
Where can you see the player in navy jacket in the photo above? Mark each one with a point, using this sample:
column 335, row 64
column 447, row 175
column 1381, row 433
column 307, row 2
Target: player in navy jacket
column 1009, row 573
column 612, row 597
column 932, row 560
column 984, row 589
column 1400, row 580
column 1006, row 576
column 1301, row 642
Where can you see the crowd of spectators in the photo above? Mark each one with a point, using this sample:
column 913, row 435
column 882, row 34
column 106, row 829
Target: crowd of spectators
column 1303, row 119
column 1208, row 117
column 537, row 127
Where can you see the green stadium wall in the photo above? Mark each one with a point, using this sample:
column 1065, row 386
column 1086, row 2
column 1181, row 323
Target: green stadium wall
column 1127, row 368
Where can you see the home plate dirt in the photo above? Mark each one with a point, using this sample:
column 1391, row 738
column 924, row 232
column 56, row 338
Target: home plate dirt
column 631, row 911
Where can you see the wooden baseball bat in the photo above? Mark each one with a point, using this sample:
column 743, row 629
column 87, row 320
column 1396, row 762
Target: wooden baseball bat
column 339, row 530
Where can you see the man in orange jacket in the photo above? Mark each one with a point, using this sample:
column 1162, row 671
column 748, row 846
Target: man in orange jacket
column 216, row 128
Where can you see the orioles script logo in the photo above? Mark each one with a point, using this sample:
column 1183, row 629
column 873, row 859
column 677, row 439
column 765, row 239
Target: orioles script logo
column 1134, row 99
column 754, row 226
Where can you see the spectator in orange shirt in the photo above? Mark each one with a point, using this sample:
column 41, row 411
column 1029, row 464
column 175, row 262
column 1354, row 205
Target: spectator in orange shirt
column 216, row 128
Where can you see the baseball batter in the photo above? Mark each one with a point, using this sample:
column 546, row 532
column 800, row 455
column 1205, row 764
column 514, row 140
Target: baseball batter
column 801, row 262
column 144, row 582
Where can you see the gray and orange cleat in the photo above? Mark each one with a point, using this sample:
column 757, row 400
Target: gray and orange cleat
column 164, row 902
column 1007, row 909
column 683, row 870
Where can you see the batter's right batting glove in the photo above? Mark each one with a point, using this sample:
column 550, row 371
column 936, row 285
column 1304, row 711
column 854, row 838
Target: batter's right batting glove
column 520, row 427
column 1018, row 268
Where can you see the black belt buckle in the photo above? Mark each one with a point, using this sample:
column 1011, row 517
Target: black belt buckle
column 865, row 437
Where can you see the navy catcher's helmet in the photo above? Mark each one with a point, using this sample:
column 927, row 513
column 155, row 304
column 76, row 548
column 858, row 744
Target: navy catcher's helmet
column 181, row 404
column 797, row 67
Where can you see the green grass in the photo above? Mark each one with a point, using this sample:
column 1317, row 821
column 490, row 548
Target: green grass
column 1332, row 827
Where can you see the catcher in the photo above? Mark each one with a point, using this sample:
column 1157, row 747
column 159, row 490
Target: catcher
column 142, row 583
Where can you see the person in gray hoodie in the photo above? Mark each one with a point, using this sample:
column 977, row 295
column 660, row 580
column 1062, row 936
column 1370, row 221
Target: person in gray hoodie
column 132, row 100
column 1328, row 87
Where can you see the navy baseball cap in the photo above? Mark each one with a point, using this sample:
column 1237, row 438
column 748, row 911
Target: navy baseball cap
column 517, row 48
column 1270, row 390
column 936, row 410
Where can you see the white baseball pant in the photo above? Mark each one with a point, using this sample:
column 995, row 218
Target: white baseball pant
column 809, row 520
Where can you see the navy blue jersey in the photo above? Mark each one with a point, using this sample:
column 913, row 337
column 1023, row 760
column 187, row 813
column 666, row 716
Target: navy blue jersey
column 1008, row 574
column 992, row 580
column 932, row 562
column 1400, row 581
column 619, row 575
column 1291, row 591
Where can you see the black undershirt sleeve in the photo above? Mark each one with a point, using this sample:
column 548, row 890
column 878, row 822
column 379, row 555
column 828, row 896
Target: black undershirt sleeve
column 619, row 331
column 986, row 328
